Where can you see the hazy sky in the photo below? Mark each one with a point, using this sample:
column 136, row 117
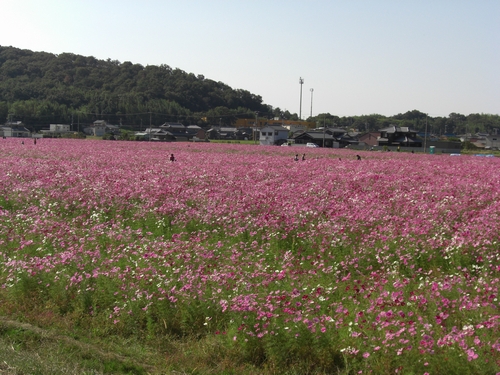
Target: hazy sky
column 359, row 56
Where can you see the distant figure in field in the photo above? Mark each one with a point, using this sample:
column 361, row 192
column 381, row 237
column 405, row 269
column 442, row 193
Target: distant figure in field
column 172, row 157
column 296, row 158
column 22, row 142
column 34, row 141
column 358, row 157
column 303, row 157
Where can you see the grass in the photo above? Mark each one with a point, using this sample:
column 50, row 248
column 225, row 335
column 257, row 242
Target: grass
column 27, row 349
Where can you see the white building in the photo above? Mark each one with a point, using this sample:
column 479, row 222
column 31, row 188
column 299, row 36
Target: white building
column 270, row 135
column 492, row 142
column 59, row 128
column 100, row 128
column 14, row 129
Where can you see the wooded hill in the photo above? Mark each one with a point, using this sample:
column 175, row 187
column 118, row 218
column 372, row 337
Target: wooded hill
column 39, row 88
column 42, row 88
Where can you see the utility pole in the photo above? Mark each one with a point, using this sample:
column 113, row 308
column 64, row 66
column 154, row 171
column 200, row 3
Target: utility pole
column 324, row 130
column 311, row 115
column 150, row 127
column 301, row 82
column 255, row 128
column 425, row 138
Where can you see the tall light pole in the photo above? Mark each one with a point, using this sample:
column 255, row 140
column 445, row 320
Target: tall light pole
column 301, row 82
column 255, row 127
column 311, row 115
column 425, row 138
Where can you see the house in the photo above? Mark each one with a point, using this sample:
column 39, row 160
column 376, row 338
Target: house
column 227, row 132
column 14, row 129
column 273, row 135
column 196, row 133
column 399, row 136
column 155, row 134
column 162, row 135
column 100, row 128
column 325, row 137
column 56, row 130
column 477, row 141
column 217, row 132
column 492, row 142
column 369, row 139
column 97, row 129
column 59, row 128
column 173, row 127
column 244, row 134
column 176, row 131
column 172, row 132
column 322, row 139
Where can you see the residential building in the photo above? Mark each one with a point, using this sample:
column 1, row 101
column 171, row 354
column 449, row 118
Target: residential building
column 100, row 128
column 325, row 137
column 14, row 129
column 273, row 135
column 492, row 142
column 56, row 130
column 217, row 132
column 369, row 139
column 399, row 136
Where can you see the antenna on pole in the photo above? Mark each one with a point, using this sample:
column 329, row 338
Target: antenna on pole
column 311, row 115
column 301, row 82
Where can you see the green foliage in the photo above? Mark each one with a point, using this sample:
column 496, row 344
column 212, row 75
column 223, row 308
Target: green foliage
column 26, row 349
column 40, row 88
column 440, row 126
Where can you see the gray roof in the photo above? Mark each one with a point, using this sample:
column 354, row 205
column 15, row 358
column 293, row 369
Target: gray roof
column 397, row 129
column 315, row 135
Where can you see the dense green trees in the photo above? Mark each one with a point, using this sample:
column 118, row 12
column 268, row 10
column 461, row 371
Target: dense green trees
column 455, row 123
column 39, row 88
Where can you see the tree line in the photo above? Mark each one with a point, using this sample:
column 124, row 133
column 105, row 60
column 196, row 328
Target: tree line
column 452, row 125
column 42, row 88
column 39, row 88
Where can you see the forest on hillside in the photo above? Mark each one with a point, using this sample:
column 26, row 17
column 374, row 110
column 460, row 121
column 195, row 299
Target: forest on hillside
column 39, row 88
column 42, row 88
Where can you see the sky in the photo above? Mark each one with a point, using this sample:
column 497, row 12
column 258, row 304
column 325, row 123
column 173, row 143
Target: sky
column 358, row 57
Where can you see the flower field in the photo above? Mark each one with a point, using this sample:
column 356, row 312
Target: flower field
column 388, row 264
